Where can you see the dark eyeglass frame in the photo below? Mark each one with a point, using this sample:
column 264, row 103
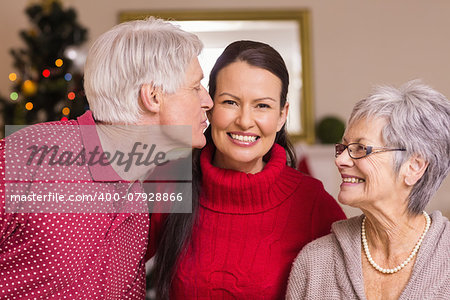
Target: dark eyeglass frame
column 369, row 149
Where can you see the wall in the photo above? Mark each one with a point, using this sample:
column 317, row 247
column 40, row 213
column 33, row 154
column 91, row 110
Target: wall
column 355, row 44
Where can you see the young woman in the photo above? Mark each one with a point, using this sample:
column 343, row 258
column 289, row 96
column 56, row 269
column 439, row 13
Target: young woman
column 252, row 210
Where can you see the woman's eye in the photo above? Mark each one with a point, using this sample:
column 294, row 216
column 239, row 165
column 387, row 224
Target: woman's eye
column 231, row 102
column 263, row 105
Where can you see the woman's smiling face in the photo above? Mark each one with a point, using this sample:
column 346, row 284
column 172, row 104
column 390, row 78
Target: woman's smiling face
column 371, row 180
column 246, row 116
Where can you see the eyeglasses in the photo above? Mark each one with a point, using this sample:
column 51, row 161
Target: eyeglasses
column 357, row 150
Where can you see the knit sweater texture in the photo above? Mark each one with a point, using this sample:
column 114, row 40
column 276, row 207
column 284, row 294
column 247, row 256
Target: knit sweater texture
column 251, row 227
column 331, row 268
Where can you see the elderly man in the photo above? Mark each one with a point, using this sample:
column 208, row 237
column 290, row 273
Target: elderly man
column 138, row 73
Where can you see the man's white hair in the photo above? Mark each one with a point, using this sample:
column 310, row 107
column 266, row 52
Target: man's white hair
column 121, row 60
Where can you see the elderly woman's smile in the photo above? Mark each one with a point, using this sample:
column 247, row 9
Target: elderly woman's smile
column 346, row 179
column 370, row 178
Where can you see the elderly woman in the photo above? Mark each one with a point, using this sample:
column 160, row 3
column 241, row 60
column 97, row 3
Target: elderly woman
column 395, row 154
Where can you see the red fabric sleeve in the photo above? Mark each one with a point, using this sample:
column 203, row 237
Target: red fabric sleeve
column 3, row 217
column 8, row 221
column 326, row 211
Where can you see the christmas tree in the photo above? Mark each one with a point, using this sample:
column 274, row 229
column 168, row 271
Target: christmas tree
column 46, row 86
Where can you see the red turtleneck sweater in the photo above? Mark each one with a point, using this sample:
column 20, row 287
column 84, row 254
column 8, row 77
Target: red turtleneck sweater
column 251, row 227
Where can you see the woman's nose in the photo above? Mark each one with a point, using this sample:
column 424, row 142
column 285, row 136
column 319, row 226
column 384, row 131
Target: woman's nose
column 343, row 160
column 245, row 118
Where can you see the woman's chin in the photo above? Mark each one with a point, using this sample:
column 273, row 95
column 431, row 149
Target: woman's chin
column 345, row 200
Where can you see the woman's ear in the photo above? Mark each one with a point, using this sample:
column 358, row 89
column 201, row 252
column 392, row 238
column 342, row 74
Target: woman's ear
column 151, row 98
column 283, row 116
column 415, row 167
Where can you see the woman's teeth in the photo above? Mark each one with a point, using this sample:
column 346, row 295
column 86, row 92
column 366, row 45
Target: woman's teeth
column 243, row 138
column 352, row 180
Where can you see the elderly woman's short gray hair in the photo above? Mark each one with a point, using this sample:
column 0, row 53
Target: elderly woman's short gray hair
column 418, row 119
column 129, row 55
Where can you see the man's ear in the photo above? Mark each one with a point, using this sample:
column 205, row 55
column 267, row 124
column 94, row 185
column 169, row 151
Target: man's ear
column 283, row 116
column 151, row 98
column 415, row 167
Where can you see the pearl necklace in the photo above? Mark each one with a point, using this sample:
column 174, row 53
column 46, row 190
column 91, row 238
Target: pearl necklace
column 403, row 264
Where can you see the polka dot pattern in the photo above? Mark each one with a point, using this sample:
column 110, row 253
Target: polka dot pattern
column 55, row 254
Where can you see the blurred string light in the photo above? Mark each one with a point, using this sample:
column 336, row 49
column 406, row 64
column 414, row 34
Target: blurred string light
column 29, row 106
column 68, row 77
column 78, row 57
column 29, row 87
column 46, row 73
column 71, row 53
column 66, row 111
column 59, row 62
column 12, row 76
column 71, row 95
column 64, row 119
column 14, row 96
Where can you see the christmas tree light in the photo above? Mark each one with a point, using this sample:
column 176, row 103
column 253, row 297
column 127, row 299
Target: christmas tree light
column 44, row 73
column 12, row 76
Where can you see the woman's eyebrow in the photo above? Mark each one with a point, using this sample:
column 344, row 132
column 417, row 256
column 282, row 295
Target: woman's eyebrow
column 228, row 94
column 265, row 98
column 358, row 140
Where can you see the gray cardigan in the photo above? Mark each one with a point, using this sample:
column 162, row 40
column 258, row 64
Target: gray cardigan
column 330, row 267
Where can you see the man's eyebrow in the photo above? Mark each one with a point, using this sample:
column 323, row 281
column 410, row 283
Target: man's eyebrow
column 199, row 78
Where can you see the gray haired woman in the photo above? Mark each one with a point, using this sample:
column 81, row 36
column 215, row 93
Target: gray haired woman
column 394, row 156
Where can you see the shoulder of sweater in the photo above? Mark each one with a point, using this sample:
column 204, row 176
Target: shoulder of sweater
column 33, row 131
column 328, row 245
column 304, row 179
column 442, row 228
column 311, row 267
column 318, row 252
column 307, row 191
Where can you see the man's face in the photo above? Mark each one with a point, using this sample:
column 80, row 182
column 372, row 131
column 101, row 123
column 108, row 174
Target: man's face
column 188, row 105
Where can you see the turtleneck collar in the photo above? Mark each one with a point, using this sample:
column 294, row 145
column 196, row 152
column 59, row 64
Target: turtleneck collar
column 230, row 191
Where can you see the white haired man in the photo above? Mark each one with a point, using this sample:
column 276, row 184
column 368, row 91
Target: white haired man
column 138, row 73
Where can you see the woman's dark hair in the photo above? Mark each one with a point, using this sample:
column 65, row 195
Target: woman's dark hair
column 177, row 228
